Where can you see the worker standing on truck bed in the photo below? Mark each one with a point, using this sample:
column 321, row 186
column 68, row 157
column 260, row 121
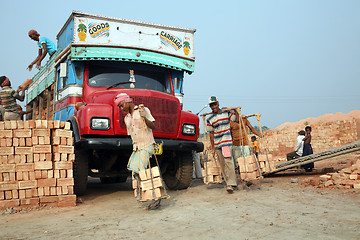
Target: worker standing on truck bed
column 8, row 97
column 141, row 134
column 45, row 46
column 218, row 125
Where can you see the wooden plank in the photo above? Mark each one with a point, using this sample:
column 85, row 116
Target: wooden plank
column 33, row 117
column 48, row 105
column 41, row 104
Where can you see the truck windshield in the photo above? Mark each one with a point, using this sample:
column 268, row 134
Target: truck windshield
column 105, row 74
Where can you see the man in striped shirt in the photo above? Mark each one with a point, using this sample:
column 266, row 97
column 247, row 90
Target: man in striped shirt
column 8, row 97
column 218, row 125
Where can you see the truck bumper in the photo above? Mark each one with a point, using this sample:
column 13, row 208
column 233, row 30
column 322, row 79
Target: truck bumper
column 126, row 144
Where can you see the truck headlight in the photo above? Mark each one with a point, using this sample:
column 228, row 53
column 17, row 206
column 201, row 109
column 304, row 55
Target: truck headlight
column 188, row 129
column 99, row 123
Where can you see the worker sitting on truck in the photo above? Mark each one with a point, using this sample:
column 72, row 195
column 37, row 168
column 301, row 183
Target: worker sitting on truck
column 8, row 97
column 45, row 46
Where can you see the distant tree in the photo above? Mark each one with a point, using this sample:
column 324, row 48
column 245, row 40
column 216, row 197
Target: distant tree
column 264, row 128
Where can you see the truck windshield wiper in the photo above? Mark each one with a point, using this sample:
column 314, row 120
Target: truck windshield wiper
column 116, row 84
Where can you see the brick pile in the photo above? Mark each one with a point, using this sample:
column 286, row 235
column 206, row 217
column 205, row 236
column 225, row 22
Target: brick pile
column 345, row 179
column 36, row 164
column 328, row 131
column 151, row 184
column 248, row 168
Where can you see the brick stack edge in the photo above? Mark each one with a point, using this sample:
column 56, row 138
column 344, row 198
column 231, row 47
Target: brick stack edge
column 36, row 164
column 325, row 135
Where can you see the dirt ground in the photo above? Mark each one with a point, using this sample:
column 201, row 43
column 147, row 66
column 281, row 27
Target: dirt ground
column 273, row 208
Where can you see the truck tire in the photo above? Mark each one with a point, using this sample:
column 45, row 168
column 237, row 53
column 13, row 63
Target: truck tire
column 178, row 175
column 80, row 172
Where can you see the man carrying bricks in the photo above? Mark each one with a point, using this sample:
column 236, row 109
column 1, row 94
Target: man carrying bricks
column 218, row 125
column 139, row 123
column 8, row 97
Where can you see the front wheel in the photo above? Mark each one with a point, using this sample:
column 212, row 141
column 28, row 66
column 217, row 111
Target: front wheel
column 80, row 168
column 178, row 174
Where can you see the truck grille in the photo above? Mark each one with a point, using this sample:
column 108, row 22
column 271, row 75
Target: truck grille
column 164, row 111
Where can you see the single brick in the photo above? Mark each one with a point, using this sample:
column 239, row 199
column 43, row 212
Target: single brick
column 47, row 182
column 6, row 133
column 13, row 124
column 9, row 185
column 35, row 140
column 42, row 149
column 15, row 194
column 22, row 167
column 20, row 124
column 30, row 202
column 25, row 133
column 27, row 184
column 41, row 132
column 7, row 168
column 43, row 166
column 63, row 165
column 65, row 181
column 9, row 203
column 28, row 142
column 23, row 150
column 62, row 133
column 22, row 142
column 49, row 199
column 7, row 124
column 6, row 150
column 56, row 124
column 8, row 194
column 22, row 194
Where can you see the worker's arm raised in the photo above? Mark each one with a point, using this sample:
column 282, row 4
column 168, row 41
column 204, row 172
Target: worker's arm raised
column 42, row 56
column 253, row 129
column 20, row 97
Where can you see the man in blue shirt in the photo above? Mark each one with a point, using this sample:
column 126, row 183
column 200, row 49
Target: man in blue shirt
column 45, row 46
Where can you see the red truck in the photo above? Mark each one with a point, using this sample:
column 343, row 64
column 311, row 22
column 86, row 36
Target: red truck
column 100, row 57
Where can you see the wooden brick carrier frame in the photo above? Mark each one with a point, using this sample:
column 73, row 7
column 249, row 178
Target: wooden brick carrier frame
column 36, row 164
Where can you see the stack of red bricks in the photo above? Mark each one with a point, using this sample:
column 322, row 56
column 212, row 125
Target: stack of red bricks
column 346, row 178
column 36, row 164
column 151, row 185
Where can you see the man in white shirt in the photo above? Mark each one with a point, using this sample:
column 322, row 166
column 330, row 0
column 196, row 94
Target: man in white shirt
column 299, row 147
column 139, row 123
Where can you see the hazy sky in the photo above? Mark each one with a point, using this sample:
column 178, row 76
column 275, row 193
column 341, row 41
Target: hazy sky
column 288, row 60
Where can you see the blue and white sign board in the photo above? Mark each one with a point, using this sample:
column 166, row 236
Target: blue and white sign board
column 106, row 31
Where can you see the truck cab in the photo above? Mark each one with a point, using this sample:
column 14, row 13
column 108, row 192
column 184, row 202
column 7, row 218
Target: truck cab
column 100, row 57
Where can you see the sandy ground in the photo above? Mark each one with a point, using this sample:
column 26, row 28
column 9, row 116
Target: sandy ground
column 274, row 208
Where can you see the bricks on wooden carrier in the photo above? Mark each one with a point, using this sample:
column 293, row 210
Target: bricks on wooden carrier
column 151, row 185
column 212, row 171
column 36, row 164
